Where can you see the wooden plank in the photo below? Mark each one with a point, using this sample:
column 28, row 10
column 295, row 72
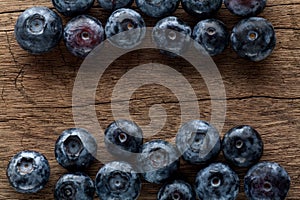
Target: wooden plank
column 36, row 95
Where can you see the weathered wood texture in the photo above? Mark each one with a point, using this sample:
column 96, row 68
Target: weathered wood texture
column 36, row 95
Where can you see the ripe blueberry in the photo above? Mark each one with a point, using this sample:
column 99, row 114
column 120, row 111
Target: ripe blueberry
column 82, row 34
column 38, row 30
column 217, row 181
column 268, row 181
column 117, row 180
column 72, row 7
column 74, row 186
column 125, row 28
column 75, row 149
column 212, row 35
column 123, row 138
column 158, row 161
column 253, row 38
column 198, row 142
column 201, row 9
column 114, row 4
column 172, row 36
column 157, row 8
column 242, row 146
column 28, row 171
column 245, row 8
column 176, row 190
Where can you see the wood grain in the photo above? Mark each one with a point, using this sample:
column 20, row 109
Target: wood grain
column 36, row 95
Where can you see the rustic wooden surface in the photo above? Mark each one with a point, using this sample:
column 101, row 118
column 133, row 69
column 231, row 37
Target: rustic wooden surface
column 36, row 95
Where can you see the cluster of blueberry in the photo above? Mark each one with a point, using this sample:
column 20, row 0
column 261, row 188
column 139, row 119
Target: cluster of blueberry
column 197, row 142
column 39, row 29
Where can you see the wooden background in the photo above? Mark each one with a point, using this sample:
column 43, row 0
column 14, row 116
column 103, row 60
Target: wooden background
column 36, row 94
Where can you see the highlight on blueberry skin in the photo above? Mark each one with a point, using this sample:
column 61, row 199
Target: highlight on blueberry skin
column 114, row 4
column 176, row 190
column 72, row 186
column 158, row 161
column 201, row 9
column 198, row 142
column 242, row 146
column 217, row 181
column 72, row 7
column 118, row 180
column 82, row 34
column 28, row 171
column 253, row 38
column 125, row 28
column 212, row 35
column 245, row 8
column 75, row 149
column 268, row 181
column 157, row 8
column 38, row 30
column 172, row 36
column 123, row 139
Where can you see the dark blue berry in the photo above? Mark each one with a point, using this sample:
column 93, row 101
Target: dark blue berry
column 125, row 28
column 114, row 4
column 253, row 38
column 158, row 161
column 123, row 139
column 242, row 146
column 172, row 36
column 176, row 190
column 245, row 8
column 72, row 7
column 74, row 186
column 212, row 35
column 217, row 181
column 201, row 9
column 82, row 34
column 157, row 8
column 75, row 149
column 117, row 180
column 28, row 171
column 198, row 142
column 38, row 30
column 267, row 181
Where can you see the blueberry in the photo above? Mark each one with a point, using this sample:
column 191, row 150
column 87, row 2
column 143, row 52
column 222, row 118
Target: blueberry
column 74, row 186
column 253, row 38
column 201, row 9
column 157, row 8
column 82, row 34
column 72, row 7
column 245, row 8
column 75, row 149
column 176, row 190
column 117, row 180
column 267, row 181
column 158, row 161
column 198, row 142
column 172, row 36
column 217, row 181
column 28, row 171
column 38, row 30
column 125, row 28
column 123, row 138
column 114, row 4
column 212, row 35
column 242, row 146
